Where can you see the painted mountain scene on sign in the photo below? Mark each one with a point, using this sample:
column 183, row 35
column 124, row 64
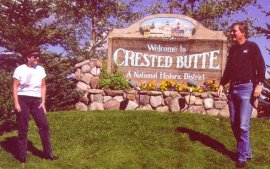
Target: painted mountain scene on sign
column 167, row 28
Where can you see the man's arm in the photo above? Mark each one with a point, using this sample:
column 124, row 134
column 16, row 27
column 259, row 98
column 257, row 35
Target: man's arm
column 15, row 95
column 43, row 95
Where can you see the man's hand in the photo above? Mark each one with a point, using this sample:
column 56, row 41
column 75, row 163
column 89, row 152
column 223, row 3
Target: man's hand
column 18, row 107
column 257, row 90
column 42, row 105
column 220, row 90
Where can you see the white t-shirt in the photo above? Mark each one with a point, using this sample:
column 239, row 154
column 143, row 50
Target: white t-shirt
column 30, row 80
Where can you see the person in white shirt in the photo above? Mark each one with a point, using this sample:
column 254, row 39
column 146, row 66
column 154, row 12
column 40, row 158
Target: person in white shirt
column 29, row 92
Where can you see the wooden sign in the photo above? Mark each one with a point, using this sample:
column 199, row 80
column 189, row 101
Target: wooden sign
column 168, row 46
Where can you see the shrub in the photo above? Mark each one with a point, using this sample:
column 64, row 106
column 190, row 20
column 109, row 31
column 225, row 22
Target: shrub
column 61, row 94
column 6, row 97
column 114, row 81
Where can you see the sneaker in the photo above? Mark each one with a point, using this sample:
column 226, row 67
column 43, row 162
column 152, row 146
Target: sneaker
column 51, row 157
column 240, row 164
column 22, row 160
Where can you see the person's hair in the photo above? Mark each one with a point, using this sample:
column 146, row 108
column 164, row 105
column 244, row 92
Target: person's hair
column 243, row 27
column 33, row 50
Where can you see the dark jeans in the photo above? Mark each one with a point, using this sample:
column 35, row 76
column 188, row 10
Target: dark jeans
column 240, row 104
column 31, row 105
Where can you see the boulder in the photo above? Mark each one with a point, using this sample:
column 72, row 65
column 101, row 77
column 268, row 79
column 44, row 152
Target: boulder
column 111, row 105
column 96, row 106
column 94, row 82
column 131, row 105
column 162, row 109
column 86, row 78
column 190, row 99
column 208, row 103
column 212, row 112
column 86, row 69
column 156, row 101
column 78, row 65
column 81, row 106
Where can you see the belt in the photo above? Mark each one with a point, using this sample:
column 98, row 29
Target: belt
column 237, row 82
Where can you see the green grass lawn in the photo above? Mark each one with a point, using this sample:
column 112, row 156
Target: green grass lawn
column 138, row 139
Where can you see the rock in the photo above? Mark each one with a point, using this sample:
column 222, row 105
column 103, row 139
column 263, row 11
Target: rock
column 155, row 93
column 118, row 98
column 162, row 109
column 204, row 95
column 196, row 94
column 95, row 71
column 146, row 107
column 208, row 103
column 114, row 92
column 131, row 105
column 78, row 74
column 144, row 92
column 96, row 98
column 95, row 91
column 81, row 106
column 143, row 99
column 174, row 105
column 212, row 112
column 94, row 82
column 130, row 96
column 184, row 93
column 130, row 91
column 196, row 109
column 171, row 94
column 107, row 98
column 190, row 99
column 132, row 83
column 167, row 100
column 220, row 104
column 96, row 106
column 111, row 105
column 225, row 111
column 93, row 63
column 86, row 78
column 198, row 102
column 84, row 99
column 82, row 63
column 155, row 101
column 86, row 69
column 82, row 87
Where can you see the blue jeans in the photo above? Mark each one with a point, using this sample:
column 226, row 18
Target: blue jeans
column 240, row 106
column 31, row 105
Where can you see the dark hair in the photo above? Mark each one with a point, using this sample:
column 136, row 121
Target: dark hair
column 243, row 27
column 31, row 51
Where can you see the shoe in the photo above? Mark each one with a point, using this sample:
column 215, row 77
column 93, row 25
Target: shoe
column 51, row 157
column 240, row 164
column 22, row 160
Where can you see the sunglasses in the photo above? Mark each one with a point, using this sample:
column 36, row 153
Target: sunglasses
column 35, row 56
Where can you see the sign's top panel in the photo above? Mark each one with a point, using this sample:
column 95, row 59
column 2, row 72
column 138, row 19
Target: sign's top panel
column 168, row 26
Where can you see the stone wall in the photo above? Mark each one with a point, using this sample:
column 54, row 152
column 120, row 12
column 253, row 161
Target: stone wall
column 88, row 72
